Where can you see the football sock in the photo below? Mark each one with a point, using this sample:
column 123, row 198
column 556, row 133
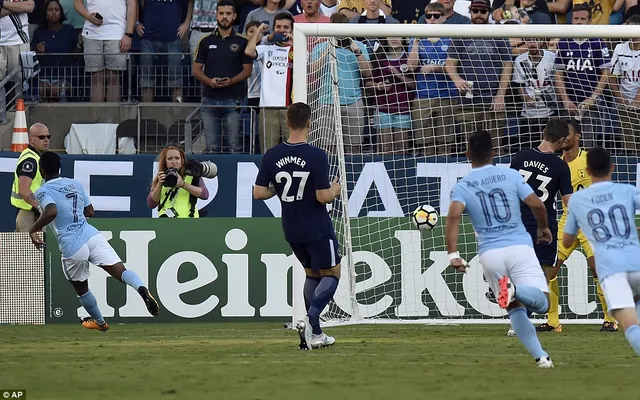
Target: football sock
column 603, row 302
column 554, row 298
column 638, row 309
column 89, row 302
column 321, row 297
column 131, row 278
column 533, row 298
column 310, row 285
column 526, row 332
column 633, row 337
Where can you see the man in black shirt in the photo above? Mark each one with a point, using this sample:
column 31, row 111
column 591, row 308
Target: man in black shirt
column 298, row 173
column 223, row 68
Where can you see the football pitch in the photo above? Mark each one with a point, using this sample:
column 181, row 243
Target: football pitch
column 261, row 361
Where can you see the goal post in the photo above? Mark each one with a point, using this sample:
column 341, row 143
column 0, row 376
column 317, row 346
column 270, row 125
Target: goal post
column 395, row 134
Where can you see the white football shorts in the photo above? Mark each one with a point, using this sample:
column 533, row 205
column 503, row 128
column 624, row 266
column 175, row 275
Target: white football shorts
column 620, row 290
column 96, row 251
column 518, row 262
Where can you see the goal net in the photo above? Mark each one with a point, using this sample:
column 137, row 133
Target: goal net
column 393, row 106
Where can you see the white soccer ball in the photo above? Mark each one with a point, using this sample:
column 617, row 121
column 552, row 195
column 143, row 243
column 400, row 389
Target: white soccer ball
column 425, row 217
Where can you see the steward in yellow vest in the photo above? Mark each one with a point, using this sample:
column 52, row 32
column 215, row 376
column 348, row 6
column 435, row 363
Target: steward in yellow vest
column 27, row 170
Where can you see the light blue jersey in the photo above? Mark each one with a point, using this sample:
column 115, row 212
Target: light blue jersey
column 605, row 212
column 491, row 196
column 70, row 226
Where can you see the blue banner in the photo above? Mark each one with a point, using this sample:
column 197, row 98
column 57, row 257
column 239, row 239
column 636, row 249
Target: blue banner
column 378, row 186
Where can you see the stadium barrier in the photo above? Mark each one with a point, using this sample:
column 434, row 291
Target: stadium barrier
column 231, row 269
column 22, row 280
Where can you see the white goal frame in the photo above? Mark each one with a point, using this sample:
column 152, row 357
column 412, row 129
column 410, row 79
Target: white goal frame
column 301, row 33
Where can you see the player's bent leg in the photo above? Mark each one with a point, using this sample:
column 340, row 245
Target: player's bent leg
column 628, row 320
column 323, row 294
column 526, row 333
column 553, row 317
column 90, row 304
column 609, row 324
column 130, row 278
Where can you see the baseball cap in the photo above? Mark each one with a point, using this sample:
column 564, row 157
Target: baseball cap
column 480, row 4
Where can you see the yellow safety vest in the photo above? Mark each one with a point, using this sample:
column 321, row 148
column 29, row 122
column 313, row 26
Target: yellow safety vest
column 17, row 200
column 179, row 202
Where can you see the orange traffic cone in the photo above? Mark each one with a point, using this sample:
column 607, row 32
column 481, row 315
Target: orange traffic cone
column 20, row 139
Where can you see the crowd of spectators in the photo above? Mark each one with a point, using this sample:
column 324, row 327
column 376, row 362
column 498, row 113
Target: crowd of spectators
column 396, row 95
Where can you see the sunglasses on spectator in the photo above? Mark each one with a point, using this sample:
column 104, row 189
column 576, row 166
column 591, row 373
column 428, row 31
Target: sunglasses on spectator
column 479, row 10
column 43, row 137
column 433, row 15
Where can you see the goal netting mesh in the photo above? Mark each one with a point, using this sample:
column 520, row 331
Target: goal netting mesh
column 393, row 107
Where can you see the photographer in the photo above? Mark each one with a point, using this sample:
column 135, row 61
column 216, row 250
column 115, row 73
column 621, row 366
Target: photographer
column 178, row 185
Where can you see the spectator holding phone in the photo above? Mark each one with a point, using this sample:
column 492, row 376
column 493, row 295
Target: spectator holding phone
column 107, row 34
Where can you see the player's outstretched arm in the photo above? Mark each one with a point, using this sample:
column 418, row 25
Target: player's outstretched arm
column 540, row 212
column 263, row 192
column 452, row 229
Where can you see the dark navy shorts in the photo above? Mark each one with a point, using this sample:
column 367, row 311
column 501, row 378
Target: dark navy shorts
column 321, row 254
column 547, row 253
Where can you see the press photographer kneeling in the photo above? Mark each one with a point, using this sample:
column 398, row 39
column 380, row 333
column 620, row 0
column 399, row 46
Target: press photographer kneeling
column 178, row 184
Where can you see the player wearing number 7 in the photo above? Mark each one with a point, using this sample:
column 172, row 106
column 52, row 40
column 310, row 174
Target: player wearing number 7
column 605, row 213
column 65, row 205
column 491, row 196
column 299, row 174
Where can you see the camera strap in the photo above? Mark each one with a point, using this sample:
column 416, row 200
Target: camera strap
column 171, row 195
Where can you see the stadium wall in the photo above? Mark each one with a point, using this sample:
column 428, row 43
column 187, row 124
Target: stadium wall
column 233, row 269
column 378, row 187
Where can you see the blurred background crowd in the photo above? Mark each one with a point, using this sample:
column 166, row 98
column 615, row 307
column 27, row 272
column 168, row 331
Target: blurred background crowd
column 397, row 95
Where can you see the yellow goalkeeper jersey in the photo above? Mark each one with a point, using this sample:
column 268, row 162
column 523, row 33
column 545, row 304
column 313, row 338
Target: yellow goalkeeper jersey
column 579, row 177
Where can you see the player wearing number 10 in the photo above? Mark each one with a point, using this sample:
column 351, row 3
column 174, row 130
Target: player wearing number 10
column 491, row 196
column 299, row 174
column 65, row 205
column 605, row 213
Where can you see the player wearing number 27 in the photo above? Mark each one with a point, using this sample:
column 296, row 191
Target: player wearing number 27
column 299, row 174
column 65, row 205
column 605, row 213
column 491, row 196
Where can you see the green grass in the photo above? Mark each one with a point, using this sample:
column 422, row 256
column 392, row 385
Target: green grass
column 261, row 361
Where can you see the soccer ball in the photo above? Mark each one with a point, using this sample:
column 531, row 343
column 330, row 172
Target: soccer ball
column 425, row 217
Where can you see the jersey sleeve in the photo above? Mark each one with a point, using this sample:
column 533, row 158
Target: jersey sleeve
column 518, row 71
column 457, row 194
column 636, row 197
column 602, row 57
column 523, row 188
column 85, row 196
column 261, row 49
column 321, row 173
column 43, row 198
column 564, row 179
column 263, row 178
column 515, row 162
column 201, row 51
column 571, row 224
column 27, row 167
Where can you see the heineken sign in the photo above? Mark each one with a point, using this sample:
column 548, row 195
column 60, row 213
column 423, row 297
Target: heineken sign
column 229, row 269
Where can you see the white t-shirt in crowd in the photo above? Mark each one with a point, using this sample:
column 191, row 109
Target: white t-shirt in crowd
column 328, row 10
column 626, row 65
column 538, row 83
column 114, row 13
column 276, row 75
column 14, row 29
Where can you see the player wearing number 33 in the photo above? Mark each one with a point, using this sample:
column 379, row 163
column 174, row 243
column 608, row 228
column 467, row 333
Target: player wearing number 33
column 605, row 213
column 65, row 205
column 299, row 174
column 491, row 196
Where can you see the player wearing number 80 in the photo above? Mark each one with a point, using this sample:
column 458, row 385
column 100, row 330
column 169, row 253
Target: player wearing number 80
column 491, row 196
column 605, row 212
column 65, row 205
column 299, row 174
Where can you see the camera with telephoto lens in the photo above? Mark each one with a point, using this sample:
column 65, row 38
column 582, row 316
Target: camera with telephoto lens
column 170, row 177
column 201, row 169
